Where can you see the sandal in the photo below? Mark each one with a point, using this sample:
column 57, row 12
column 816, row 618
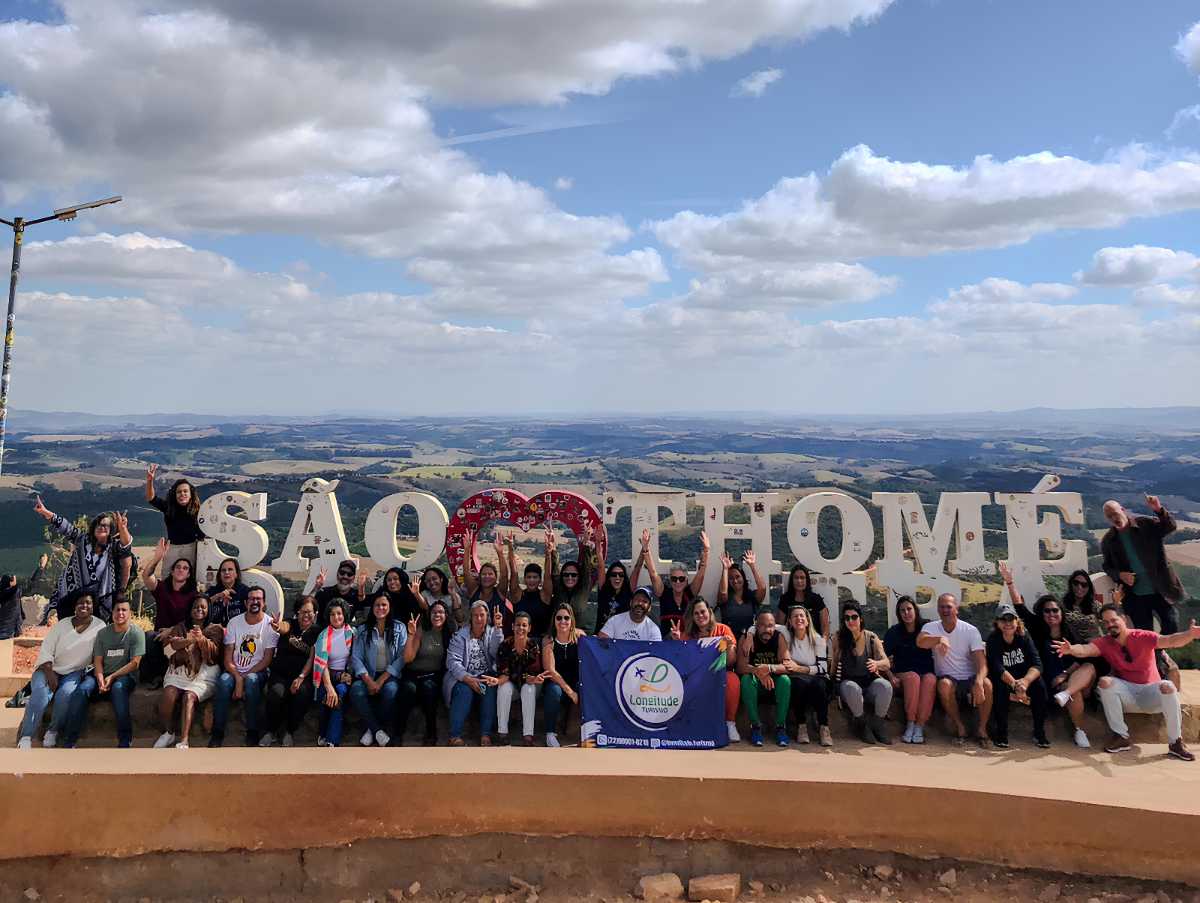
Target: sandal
column 457, row 741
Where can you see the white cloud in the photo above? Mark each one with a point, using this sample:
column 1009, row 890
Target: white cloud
column 1138, row 265
column 812, row 285
column 869, row 205
column 1183, row 297
column 1181, row 119
column 478, row 51
column 1188, row 48
column 994, row 291
column 754, row 84
column 564, row 183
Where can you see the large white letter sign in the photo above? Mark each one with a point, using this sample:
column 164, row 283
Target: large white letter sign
column 858, row 538
column 1026, row 533
column 903, row 512
column 318, row 523
column 758, row 531
column 380, row 531
column 249, row 539
column 644, row 516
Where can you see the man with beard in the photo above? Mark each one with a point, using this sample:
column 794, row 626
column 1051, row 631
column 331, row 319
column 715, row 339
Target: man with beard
column 355, row 597
column 635, row 624
column 1134, row 557
column 1134, row 684
column 250, row 641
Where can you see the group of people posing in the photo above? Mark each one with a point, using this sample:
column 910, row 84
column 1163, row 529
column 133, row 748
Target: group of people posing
column 385, row 647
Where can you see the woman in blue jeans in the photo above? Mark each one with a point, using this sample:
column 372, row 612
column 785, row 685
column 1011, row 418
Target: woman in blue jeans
column 471, row 672
column 382, row 646
column 330, row 673
column 116, row 654
column 560, row 658
column 62, row 663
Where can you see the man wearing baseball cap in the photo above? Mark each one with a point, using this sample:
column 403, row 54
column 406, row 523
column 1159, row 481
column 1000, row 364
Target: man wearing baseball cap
column 634, row 624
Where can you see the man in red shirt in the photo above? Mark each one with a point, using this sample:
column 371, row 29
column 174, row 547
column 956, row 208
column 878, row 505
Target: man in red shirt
column 1134, row 685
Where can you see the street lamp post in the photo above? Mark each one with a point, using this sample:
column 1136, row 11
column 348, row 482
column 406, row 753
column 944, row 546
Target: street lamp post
column 19, row 225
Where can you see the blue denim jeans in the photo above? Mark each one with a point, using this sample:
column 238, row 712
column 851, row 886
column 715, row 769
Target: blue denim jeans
column 332, row 721
column 377, row 710
column 462, row 698
column 254, row 685
column 119, row 692
column 552, row 701
column 40, row 695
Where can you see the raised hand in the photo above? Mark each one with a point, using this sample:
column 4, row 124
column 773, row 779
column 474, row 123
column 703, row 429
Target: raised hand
column 645, row 542
column 39, row 508
column 1005, row 571
column 414, row 625
column 726, row 561
column 1154, row 503
column 44, row 560
column 320, row 581
column 498, row 616
column 675, row 634
column 362, row 583
column 705, row 544
column 151, row 472
column 160, row 548
column 750, row 558
column 1063, row 647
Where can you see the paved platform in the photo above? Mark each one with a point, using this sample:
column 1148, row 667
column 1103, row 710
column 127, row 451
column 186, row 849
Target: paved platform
column 1134, row 814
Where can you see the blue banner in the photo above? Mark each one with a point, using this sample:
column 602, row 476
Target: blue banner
column 644, row 695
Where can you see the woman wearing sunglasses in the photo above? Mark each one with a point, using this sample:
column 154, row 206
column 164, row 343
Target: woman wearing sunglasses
column 614, row 594
column 700, row 624
column 675, row 595
column 1068, row 680
column 560, row 658
column 861, row 668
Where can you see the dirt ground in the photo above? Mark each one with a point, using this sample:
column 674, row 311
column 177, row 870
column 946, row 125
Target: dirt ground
column 513, row 869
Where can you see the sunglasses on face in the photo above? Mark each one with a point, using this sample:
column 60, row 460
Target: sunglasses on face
column 1051, row 611
column 570, row 575
column 850, row 618
column 616, row 575
column 563, row 618
column 345, row 573
column 679, row 579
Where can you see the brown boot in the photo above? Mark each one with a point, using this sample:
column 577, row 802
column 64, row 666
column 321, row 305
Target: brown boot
column 1116, row 743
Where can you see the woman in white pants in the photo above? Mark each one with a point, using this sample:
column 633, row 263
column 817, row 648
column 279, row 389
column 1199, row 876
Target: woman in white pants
column 520, row 666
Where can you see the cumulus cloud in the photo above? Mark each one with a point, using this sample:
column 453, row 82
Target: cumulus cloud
column 812, row 285
column 1138, row 265
column 868, row 205
column 477, row 51
column 1188, row 48
column 995, row 291
column 754, row 84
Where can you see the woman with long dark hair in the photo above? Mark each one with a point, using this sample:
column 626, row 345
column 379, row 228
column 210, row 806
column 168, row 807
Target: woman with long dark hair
column 912, row 668
column 614, row 593
column 405, row 604
column 99, row 563
column 193, row 649
column 288, row 697
column 227, row 595
column 382, row 646
column 798, row 591
column 330, row 669
column 860, row 668
column 181, row 513
column 1080, row 611
column 735, row 601
column 520, row 673
column 486, row 586
column 437, row 587
column 422, row 678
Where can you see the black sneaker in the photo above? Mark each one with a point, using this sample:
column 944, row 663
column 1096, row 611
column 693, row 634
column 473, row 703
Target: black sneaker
column 1178, row 751
column 1041, row 742
column 1116, row 743
column 1000, row 742
column 252, row 738
column 216, row 741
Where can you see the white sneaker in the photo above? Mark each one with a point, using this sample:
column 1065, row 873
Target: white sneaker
column 918, row 734
column 182, row 744
column 268, row 739
column 908, row 732
column 367, row 738
column 382, row 738
column 165, row 739
column 734, row 736
column 1062, row 697
column 287, row 740
column 50, row 739
column 552, row 741
column 321, row 741
column 27, row 743
column 1081, row 739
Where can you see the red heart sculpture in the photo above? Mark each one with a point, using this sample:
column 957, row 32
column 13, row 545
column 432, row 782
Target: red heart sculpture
column 569, row 508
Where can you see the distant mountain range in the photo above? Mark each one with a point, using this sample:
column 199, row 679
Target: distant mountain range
column 1092, row 420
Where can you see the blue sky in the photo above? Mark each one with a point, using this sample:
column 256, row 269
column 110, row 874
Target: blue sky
column 302, row 207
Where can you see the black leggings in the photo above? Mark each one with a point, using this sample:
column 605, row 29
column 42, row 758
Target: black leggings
column 1037, row 703
column 419, row 689
column 286, row 709
column 810, row 691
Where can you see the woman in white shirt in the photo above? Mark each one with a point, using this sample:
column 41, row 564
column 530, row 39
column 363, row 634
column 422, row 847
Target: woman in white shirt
column 809, row 670
column 64, row 660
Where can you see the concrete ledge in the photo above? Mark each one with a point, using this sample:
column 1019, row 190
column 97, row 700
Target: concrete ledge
column 1126, row 815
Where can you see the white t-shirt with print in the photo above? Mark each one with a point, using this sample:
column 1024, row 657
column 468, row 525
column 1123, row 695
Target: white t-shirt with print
column 250, row 642
column 622, row 627
column 956, row 664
